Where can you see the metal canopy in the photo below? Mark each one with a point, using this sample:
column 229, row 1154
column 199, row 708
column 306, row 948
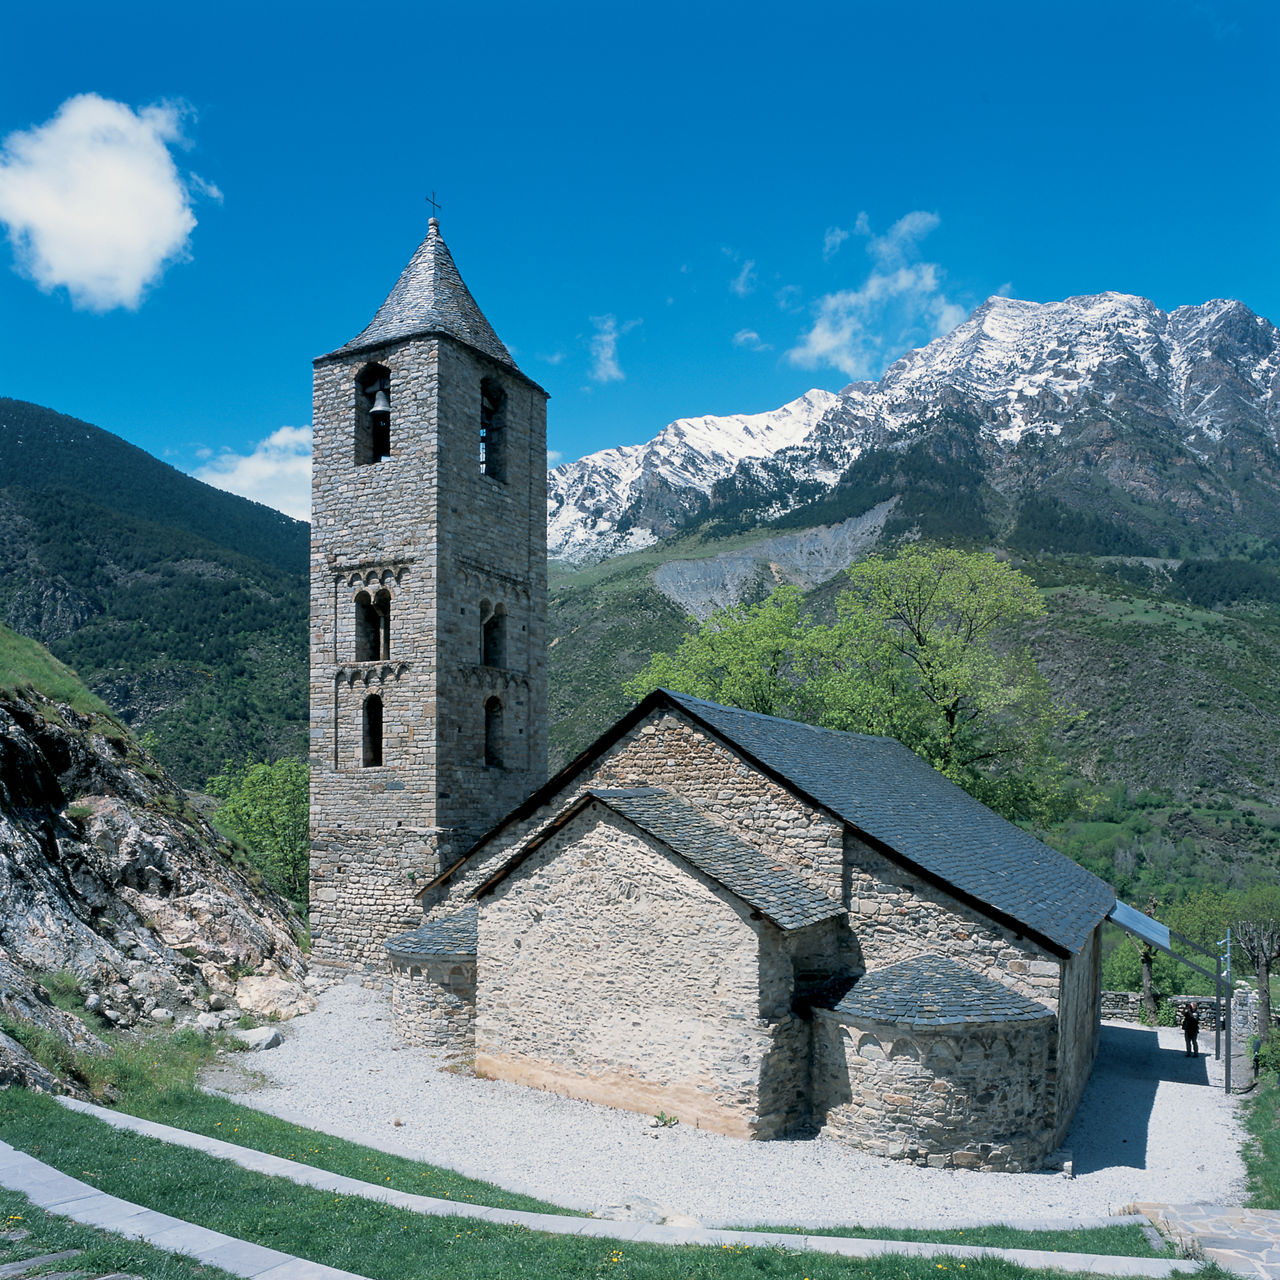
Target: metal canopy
column 1159, row 935
column 1145, row 927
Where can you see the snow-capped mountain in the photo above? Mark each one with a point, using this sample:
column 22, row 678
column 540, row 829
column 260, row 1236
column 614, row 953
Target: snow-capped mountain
column 1173, row 407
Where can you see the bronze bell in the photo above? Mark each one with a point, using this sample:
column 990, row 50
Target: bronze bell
column 381, row 402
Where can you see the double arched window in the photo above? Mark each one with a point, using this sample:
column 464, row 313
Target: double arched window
column 493, row 634
column 493, row 744
column 373, row 626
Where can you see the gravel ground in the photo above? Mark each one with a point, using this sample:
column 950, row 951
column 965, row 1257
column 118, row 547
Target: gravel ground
column 1152, row 1127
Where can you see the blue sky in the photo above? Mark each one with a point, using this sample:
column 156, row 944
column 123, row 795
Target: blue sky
column 664, row 210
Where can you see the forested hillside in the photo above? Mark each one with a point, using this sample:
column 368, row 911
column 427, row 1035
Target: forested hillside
column 183, row 607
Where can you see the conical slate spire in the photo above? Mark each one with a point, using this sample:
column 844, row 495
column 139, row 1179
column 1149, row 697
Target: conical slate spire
column 430, row 297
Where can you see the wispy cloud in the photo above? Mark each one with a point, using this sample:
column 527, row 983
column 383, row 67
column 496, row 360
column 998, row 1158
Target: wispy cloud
column 94, row 202
column 604, row 348
column 750, row 339
column 900, row 304
column 788, row 297
column 745, row 281
column 831, row 242
column 277, row 472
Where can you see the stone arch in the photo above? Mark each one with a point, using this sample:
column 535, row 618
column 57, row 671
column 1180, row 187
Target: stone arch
column 493, row 634
column 869, row 1047
column 493, row 427
column 493, row 734
column 373, row 626
column 372, row 426
column 371, row 714
column 904, row 1049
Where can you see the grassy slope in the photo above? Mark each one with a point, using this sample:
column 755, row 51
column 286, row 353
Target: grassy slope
column 374, row 1239
column 24, row 664
column 1262, row 1151
column 102, row 1253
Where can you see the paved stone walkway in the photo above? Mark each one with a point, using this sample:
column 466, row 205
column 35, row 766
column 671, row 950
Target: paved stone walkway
column 1246, row 1241
column 59, row 1193
column 277, row 1166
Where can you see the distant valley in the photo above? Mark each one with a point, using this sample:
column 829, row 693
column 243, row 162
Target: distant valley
column 1125, row 457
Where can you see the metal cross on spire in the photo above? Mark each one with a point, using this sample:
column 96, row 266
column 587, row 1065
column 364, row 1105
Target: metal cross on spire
column 431, row 200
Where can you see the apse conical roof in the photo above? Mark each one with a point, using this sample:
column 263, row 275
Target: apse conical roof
column 430, row 297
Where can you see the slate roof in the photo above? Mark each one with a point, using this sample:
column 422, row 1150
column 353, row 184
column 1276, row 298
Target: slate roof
column 763, row 883
column 430, row 297
column 932, row 991
column 890, row 794
column 450, row 936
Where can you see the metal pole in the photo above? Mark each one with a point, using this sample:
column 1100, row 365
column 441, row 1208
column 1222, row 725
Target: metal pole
column 1217, row 1002
column 1231, row 994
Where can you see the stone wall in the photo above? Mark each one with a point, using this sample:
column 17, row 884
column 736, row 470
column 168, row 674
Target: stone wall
column 1075, row 1040
column 433, row 1001
column 614, row 972
column 1126, row 1006
column 426, row 528
column 966, row 1096
column 897, row 914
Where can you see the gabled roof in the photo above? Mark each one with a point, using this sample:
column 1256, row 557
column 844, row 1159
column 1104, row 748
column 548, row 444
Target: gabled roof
column 430, row 298
column 898, row 804
column 454, row 935
column 932, row 991
column 887, row 792
column 774, row 890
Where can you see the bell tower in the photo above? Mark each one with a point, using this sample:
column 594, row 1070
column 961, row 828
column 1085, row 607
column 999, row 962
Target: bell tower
column 428, row 603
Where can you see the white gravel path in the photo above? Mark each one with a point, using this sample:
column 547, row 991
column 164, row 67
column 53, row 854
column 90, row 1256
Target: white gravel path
column 1153, row 1126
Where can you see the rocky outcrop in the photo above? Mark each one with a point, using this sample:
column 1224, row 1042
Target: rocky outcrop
column 109, row 874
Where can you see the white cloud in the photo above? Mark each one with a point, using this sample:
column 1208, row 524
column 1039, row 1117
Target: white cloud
column 831, row 242
column 745, row 281
column 277, row 472
column 554, row 456
column 788, row 297
column 901, row 304
column 93, row 201
column 604, row 348
column 750, row 339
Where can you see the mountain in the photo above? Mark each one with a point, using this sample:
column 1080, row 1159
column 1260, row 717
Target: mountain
column 183, row 607
column 1105, row 407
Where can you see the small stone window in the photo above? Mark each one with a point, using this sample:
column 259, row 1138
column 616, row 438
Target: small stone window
column 493, row 406
column 373, row 627
column 371, row 735
column 493, row 634
column 373, row 414
column 493, row 733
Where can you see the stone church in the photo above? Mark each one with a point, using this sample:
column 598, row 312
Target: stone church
column 756, row 926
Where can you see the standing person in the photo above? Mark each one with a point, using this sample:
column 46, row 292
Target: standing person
column 1191, row 1030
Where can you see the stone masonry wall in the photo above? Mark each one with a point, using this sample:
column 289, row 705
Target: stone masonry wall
column 968, row 1096
column 897, row 914
column 614, row 973
column 1078, row 1030
column 423, row 526
column 433, row 1001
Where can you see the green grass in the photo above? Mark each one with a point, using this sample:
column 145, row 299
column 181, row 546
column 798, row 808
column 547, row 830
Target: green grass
column 1262, row 1151
column 385, row 1243
column 24, row 664
column 103, row 1252
column 1125, row 1241
column 197, row 1112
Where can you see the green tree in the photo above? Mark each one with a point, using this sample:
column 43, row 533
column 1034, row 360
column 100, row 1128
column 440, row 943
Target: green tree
column 1257, row 929
column 921, row 650
column 265, row 807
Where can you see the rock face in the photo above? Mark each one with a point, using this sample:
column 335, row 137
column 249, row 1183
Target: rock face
column 107, row 872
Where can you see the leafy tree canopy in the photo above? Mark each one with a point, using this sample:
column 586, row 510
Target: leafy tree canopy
column 921, row 650
column 265, row 807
